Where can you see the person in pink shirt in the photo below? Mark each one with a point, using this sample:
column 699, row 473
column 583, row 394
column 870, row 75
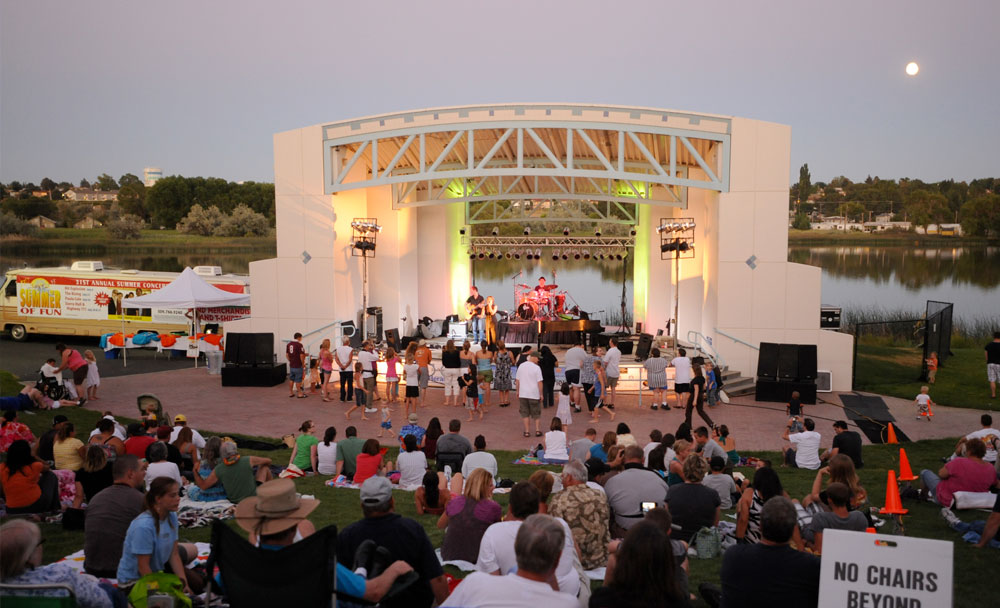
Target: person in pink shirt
column 74, row 361
column 968, row 474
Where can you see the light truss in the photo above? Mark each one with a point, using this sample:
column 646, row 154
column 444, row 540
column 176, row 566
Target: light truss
column 591, row 242
column 588, row 154
column 562, row 211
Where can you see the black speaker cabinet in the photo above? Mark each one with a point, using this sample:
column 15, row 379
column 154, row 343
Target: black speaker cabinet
column 625, row 346
column 271, row 375
column 788, row 361
column 356, row 339
column 264, row 351
column 247, row 354
column 405, row 341
column 642, row 349
column 231, row 356
column 768, row 390
column 807, row 362
column 767, row 361
column 781, row 391
column 392, row 339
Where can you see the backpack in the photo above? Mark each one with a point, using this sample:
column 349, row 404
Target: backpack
column 708, row 543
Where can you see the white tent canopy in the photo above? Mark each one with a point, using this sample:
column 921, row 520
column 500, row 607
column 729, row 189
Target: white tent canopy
column 189, row 291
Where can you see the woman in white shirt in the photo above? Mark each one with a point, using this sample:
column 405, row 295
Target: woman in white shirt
column 159, row 466
column 555, row 451
column 326, row 453
column 412, row 464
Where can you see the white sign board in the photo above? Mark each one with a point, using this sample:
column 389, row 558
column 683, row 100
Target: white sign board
column 861, row 570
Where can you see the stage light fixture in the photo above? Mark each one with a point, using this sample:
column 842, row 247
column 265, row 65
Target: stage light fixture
column 564, row 256
column 495, row 231
column 538, row 254
column 481, row 255
column 576, row 254
column 631, row 231
column 508, row 255
column 555, row 254
column 586, row 254
column 517, row 255
column 618, row 256
column 492, row 255
column 597, row 231
column 472, row 255
column 527, row 230
column 566, row 231
column 461, row 231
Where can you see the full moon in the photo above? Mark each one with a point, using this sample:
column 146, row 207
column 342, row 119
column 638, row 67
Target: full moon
column 912, row 68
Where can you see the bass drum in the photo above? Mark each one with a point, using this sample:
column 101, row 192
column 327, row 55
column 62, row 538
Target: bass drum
column 526, row 311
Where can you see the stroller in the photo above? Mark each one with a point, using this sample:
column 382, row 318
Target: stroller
column 52, row 387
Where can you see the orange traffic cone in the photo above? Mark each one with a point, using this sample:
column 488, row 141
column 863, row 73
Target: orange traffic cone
column 893, row 506
column 891, row 435
column 905, row 473
column 871, row 531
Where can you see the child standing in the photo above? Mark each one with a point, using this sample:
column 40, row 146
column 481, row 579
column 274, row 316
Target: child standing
column 469, row 382
column 93, row 376
column 411, row 370
column 932, row 365
column 391, row 375
column 794, row 410
column 360, row 394
column 711, row 386
column 315, row 381
column 562, row 407
column 924, row 403
column 386, row 424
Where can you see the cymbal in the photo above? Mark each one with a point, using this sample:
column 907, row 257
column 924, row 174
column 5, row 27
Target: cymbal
column 523, row 286
column 549, row 287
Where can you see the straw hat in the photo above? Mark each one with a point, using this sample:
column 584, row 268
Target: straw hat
column 276, row 507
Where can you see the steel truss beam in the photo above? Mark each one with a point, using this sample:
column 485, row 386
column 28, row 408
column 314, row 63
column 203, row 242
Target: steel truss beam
column 592, row 242
column 560, row 210
column 530, row 159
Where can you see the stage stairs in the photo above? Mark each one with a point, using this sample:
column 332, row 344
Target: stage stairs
column 734, row 383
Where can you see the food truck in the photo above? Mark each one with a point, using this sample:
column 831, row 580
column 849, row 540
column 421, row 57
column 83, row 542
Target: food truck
column 90, row 299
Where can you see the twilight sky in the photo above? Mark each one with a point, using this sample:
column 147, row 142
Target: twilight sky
column 199, row 88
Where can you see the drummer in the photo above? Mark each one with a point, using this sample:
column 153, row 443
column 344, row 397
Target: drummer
column 541, row 288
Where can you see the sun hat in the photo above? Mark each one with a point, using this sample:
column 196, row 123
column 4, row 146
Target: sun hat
column 180, row 418
column 413, row 418
column 276, row 507
column 376, row 491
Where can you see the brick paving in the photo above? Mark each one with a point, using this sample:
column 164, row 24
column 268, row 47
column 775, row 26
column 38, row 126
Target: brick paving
column 269, row 412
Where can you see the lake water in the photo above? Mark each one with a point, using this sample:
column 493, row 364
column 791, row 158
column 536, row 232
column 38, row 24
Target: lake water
column 854, row 277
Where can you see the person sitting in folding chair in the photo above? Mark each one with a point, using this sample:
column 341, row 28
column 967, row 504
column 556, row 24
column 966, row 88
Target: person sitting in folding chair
column 276, row 518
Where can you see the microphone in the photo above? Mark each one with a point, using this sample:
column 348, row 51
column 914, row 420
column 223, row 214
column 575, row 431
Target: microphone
column 519, row 273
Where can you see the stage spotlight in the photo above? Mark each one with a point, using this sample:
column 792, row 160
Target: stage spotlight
column 461, row 231
column 538, row 254
column 495, row 231
column 566, row 231
column 555, row 254
column 508, row 255
column 576, row 254
column 597, row 231
column 491, row 255
column 564, row 256
column 586, row 254
column 618, row 256
column 517, row 255
column 527, row 230
column 480, row 255
column 472, row 255
column 631, row 231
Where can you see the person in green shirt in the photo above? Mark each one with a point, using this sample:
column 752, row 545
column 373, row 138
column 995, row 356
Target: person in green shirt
column 236, row 473
column 347, row 452
column 304, row 452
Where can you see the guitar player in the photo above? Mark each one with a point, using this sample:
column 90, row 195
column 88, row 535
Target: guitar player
column 474, row 308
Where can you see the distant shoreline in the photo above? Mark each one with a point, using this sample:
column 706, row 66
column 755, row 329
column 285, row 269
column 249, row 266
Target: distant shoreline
column 837, row 237
column 158, row 241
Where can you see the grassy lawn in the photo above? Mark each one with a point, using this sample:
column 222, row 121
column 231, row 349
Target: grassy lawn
column 340, row 507
column 161, row 240
column 892, row 370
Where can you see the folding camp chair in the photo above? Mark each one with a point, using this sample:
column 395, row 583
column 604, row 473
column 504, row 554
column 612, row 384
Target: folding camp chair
column 61, row 596
column 452, row 459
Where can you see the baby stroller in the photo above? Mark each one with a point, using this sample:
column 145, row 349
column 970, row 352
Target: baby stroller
column 150, row 408
column 51, row 387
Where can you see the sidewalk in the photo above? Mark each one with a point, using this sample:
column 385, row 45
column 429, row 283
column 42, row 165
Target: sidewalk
column 269, row 412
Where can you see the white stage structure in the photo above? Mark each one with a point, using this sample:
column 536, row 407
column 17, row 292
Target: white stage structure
column 417, row 172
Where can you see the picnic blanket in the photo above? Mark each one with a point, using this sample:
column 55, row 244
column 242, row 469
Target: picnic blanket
column 75, row 560
column 528, row 459
column 195, row 514
column 597, row 574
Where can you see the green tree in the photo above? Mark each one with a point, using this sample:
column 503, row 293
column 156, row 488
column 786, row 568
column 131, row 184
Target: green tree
column 852, row 211
column 127, row 179
column 48, row 185
column 11, row 224
column 924, row 207
column 243, row 221
column 29, row 207
column 805, row 187
column 169, row 200
column 127, row 227
column 84, row 183
column 69, row 213
column 981, row 216
column 132, row 199
column 15, row 185
column 106, row 182
column 801, row 222
column 201, row 220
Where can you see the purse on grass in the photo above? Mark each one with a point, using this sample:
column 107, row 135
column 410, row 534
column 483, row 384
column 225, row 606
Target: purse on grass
column 158, row 584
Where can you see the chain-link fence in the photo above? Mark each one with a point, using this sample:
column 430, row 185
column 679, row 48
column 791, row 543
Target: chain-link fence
column 897, row 350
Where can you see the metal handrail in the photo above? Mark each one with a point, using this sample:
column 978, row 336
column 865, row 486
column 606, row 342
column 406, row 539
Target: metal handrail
column 735, row 339
column 708, row 349
column 336, row 324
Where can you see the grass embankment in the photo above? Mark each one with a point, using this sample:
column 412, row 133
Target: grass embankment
column 162, row 241
column 975, row 575
column 826, row 237
column 894, row 370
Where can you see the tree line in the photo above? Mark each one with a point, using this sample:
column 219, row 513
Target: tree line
column 974, row 204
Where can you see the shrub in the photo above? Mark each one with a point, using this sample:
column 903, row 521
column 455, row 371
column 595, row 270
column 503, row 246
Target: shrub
column 244, row 221
column 11, row 225
column 801, row 222
column 126, row 227
column 201, row 220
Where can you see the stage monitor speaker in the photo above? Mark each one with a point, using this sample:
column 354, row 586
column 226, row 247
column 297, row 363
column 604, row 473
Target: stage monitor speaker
column 807, row 362
column 392, row 339
column 767, row 361
column 788, row 361
column 768, row 390
column 247, row 354
column 264, row 351
column 626, row 346
column 231, row 356
column 270, row 375
column 405, row 341
column 374, row 329
column 642, row 349
column 356, row 338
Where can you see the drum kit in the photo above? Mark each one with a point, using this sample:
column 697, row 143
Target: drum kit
column 539, row 304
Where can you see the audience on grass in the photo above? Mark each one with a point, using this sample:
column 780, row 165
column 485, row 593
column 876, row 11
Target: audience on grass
column 210, row 457
column 969, row 473
column 684, row 432
column 326, row 452
column 138, row 441
column 43, row 447
column 585, row 510
column 644, row 572
column 180, row 422
column 655, row 437
column 841, row 470
column 412, row 464
column 554, row 447
column 95, row 474
column 173, row 454
column 434, row 431
column 21, row 564
column 579, row 449
column 628, row 490
column 117, row 429
column 480, row 459
column 706, row 446
column 624, row 436
column 721, row 434
column 109, row 514
column 836, row 498
column 845, row 442
column 766, row 485
column 675, row 466
column 692, row 505
column 67, row 450
column 189, row 453
column 432, row 495
column 371, row 462
column 412, row 428
column 804, row 453
column 543, row 482
column 750, row 573
column 159, row 466
column 304, row 452
column 402, row 538
column 467, row 516
column 600, row 451
column 11, row 430
column 724, row 485
column 239, row 476
column 347, row 452
column 497, row 554
column 28, row 484
column 989, row 436
column 537, row 550
column 105, row 437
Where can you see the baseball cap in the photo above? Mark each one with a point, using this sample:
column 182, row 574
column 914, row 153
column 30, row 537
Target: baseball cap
column 180, row 418
column 59, row 419
column 376, row 490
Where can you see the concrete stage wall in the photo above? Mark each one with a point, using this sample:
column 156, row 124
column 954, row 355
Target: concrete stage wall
column 421, row 267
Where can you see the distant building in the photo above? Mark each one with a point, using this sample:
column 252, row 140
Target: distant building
column 88, row 194
column 40, row 193
column 151, row 175
column 834, row 222
column 43, row 222
column 88, row 223
column 941, row 229
column 878, row 226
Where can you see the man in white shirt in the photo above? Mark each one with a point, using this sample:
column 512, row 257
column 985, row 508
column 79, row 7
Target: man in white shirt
column 988, row 434
column 538, row 547
column 575, row 358
column 529, row 394
column 682, row 377
column 804, row 452
column 119, row 429
column 480, row 459
column 655, row 437
column 368, row 359
column 344, row 356
column 611, row 371
column 180, row 421
column 498, row 548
